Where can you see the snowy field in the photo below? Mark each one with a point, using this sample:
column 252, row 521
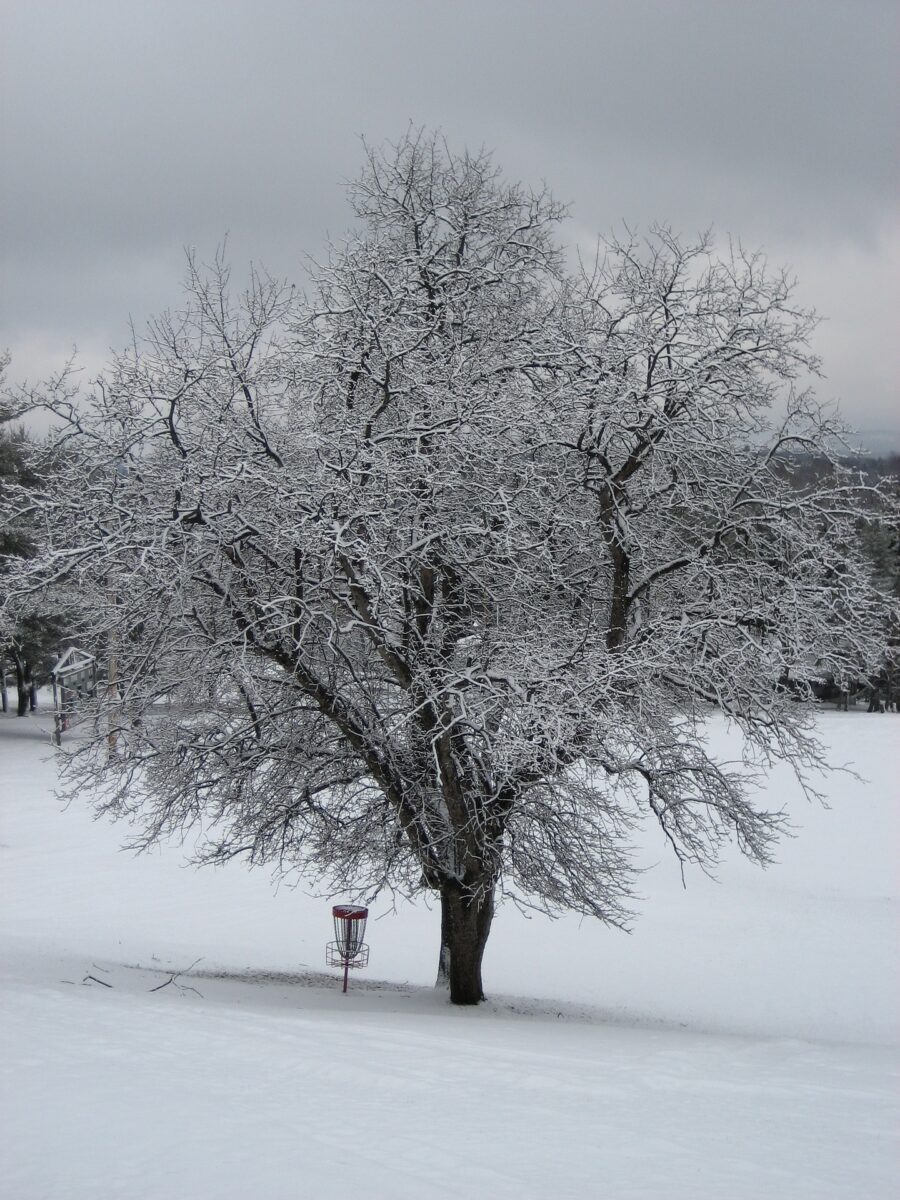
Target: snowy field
column 741, row 1044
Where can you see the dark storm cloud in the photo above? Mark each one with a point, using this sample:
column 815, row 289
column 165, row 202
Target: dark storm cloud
column 132, row 129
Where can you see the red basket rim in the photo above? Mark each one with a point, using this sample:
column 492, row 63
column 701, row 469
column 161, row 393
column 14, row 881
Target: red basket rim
column 349, row 912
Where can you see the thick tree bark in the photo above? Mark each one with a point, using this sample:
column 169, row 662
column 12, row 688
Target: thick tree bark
column 465, row 925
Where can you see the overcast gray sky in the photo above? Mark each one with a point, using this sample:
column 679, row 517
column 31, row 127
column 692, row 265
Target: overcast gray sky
column 131, row 129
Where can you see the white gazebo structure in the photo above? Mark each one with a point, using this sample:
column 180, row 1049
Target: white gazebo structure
column 74, row 674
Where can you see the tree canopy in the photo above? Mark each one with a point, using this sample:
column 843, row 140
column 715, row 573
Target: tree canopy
column 431, row 579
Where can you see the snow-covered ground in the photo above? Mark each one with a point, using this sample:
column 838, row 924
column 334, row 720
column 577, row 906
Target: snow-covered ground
column 741, row 1044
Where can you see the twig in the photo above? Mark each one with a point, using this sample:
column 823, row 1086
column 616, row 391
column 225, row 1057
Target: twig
column 174, row 977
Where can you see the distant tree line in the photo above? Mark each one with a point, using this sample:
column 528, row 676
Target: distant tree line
column 30, row 646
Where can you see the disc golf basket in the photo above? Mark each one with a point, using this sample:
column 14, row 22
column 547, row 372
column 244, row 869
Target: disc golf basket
column 348, row 948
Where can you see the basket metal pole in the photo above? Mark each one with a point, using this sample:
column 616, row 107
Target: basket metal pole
column 346, row 970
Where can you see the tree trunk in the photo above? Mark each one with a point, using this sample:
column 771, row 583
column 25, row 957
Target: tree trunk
column 465, row 925
column 21, row 688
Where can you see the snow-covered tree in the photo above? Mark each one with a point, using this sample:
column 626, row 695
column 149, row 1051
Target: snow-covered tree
column 431, row 580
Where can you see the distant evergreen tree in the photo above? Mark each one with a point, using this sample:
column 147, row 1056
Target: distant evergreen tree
column 30, row 643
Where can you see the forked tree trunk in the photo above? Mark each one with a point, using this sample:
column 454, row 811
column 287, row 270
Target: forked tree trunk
column 465, row 925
